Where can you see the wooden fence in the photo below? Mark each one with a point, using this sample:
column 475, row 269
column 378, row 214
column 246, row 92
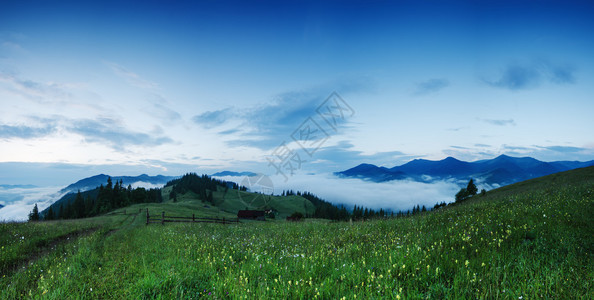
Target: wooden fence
column 192, row 219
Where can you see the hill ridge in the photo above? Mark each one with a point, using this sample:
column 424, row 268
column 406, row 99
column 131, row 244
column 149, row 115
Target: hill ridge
column 499, row 171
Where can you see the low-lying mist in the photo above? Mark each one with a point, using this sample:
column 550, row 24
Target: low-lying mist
column 393, row 195
column 18, row 202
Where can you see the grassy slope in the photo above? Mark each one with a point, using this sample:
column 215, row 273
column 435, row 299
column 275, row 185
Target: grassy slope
column 228, row 203
column 533, row 239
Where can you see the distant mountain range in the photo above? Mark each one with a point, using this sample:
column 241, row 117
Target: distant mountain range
column 101, row 179
column 502, row 170
column 234, row 174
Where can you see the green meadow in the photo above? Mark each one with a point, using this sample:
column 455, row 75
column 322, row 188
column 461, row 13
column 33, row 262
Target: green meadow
column 534, row 239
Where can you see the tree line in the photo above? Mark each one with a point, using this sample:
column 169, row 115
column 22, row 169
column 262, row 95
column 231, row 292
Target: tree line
column 203, row 186
column 324, row 209
column 97, row 201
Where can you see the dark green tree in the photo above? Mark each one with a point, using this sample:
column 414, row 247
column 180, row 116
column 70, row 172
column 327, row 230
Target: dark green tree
column 471, row 188
column 34, row 215
column 210, row 198
column 79, row 206
column 173, row 195
column 462, row 195
column 50, row 214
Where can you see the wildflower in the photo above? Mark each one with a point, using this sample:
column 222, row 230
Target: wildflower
column 466, row 263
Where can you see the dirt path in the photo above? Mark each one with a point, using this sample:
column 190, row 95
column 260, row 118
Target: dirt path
column 112, row 231
column 51, row 246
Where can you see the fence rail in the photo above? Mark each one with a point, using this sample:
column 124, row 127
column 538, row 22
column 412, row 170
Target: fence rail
column 192, row 219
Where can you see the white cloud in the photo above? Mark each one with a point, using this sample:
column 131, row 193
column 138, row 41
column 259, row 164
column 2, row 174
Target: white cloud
column 394, row 195
column 20, row 201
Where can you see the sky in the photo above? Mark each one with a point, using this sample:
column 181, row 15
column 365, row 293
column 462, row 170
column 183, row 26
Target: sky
column 169, row 87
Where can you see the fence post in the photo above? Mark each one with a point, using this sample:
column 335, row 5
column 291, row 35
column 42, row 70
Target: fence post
column 193, row 219
column 147, row 217
column 163, row 218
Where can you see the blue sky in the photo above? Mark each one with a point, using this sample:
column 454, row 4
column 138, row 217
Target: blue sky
column 171, row 87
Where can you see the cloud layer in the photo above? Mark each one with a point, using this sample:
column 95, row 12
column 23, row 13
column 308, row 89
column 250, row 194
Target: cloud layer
column 394, row 195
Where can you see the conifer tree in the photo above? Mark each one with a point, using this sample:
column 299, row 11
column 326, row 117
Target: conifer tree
column 50, row 214
column 471, row 188
column 34, row 215
column 79, row 206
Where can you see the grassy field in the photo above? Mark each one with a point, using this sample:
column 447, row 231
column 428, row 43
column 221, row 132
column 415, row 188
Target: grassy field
column 230, row 201
column 531, row 240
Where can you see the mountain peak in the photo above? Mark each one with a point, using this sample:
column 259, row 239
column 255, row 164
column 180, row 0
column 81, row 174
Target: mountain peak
column 97, row 180
column 451, row 159
column 500, row 170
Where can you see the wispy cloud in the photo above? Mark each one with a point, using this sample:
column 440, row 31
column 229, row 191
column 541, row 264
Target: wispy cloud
column 499, row 122
column 459, row 147
column 431, row 86
column 228, row 132
column 131, row 77
column 109, row 132
column 343, row 155
column 561, row 74
column 267, row 125
column 563, row 149
column 25, row 132
column 34, row 90
column 210, row 119
column 529, row 75
column 457, row 128
column 159, row 108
